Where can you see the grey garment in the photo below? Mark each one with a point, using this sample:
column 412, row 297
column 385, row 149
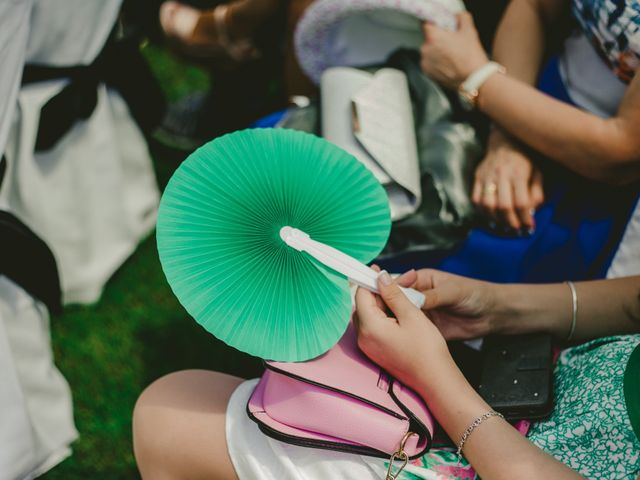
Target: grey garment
column 449, row 150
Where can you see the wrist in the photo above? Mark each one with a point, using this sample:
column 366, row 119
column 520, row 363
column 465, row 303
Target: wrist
column 511, row 310
column 441, row 365
column 498, row 138
column 469, row 89
column 531, row 308
column 452, row 400
column 500, row 141
column 470, row 67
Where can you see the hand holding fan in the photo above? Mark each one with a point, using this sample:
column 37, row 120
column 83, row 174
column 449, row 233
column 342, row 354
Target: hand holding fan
column 221, row 248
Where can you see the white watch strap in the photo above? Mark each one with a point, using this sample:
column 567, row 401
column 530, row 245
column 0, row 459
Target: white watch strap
column 469, row 88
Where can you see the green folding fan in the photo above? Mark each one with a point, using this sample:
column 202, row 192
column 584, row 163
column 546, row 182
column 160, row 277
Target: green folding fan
column 221, row 247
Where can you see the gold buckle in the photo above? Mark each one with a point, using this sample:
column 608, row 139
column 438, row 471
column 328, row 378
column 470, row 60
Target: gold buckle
column 399, row 455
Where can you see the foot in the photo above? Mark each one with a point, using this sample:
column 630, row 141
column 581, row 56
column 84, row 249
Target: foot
column 214, row 33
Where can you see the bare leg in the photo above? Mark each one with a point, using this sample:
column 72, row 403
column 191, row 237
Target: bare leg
column 198, row 33
column 179, row 427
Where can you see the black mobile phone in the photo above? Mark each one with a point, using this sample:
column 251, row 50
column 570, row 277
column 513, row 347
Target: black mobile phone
column 516, row 377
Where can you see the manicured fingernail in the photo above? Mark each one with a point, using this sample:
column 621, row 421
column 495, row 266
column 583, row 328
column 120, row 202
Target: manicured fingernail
column 531, row 231
column 408, row 272
column 532, row 211
column 384, row 277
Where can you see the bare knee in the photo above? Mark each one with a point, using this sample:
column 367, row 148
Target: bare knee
column 178, row 421
column 152, row 429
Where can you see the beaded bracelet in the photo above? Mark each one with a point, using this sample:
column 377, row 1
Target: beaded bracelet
column 472, row 427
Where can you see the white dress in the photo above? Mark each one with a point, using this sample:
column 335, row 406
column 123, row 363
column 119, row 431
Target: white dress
column 14, row 31
column 36, row 416
column 91, row 198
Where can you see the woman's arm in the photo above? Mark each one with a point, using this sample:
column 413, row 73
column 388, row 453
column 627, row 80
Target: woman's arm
column 605, row 307
column 603, row 149
column 464, row 308
column 606, row 149
column 520, row 40
column 519, row 45
column 495, row 449
column 410, row 347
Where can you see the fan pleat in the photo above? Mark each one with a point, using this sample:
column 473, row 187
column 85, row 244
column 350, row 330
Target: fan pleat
column 219, row 243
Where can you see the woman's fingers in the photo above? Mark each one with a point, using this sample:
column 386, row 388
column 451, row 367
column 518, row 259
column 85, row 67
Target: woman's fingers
column 427, row 278
column 447, row 295
column 395, row 299
column 484, row 188
column 510, row 200
column 508, row 186
column 369, row 316
column 430, row 31
column 490, row 198
column 407, row 278
column 536, row 188
column 476, row 194
column 506, row 208
column 465, row 21
column 523, row 205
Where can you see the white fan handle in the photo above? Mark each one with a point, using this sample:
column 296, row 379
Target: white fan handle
column 356, row 271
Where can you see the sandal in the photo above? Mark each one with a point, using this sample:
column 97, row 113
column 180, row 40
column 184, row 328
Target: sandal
column 197, row 36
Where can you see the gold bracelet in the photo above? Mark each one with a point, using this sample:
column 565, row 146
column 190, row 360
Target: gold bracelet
column 574, row 309
column 472, row 427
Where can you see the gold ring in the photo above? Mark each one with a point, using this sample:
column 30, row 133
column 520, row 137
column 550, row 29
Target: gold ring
column 491, row 187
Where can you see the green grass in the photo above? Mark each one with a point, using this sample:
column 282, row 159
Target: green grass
column 137, row 332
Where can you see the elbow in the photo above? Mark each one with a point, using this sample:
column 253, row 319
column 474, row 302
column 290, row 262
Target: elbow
column 619, row 157
column 621, row 168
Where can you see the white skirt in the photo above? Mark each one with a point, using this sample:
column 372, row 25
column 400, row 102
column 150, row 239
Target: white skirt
column 257, row 456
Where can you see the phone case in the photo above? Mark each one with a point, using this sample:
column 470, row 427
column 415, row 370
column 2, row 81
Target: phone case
column 517, row 375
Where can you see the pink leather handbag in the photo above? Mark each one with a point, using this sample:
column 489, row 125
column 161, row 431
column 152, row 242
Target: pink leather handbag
column 341, row 401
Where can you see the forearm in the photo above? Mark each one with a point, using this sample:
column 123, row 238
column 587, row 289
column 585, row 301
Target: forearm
column 602, row 149
column 519, row 43
column 456, row 405
column 605, row 307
